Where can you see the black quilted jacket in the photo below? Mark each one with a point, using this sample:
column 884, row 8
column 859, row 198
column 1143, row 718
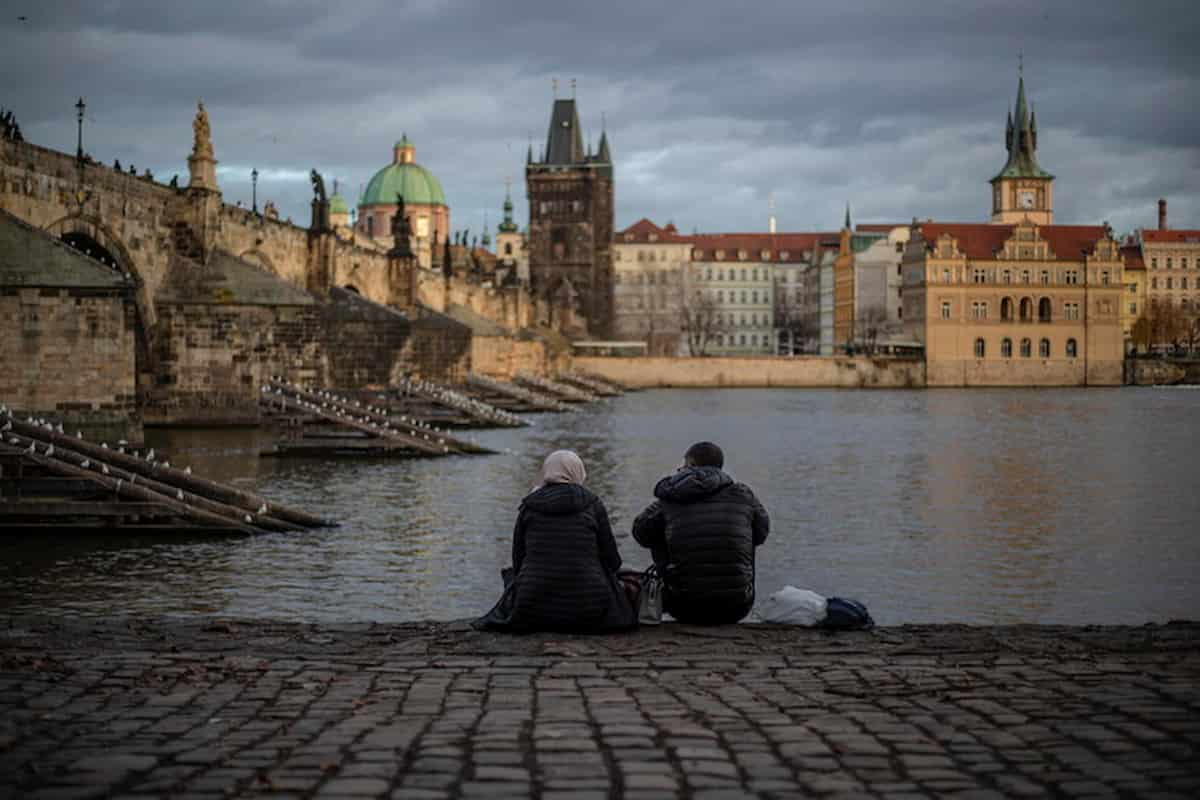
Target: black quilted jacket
column 702, row 531
column 565, row 561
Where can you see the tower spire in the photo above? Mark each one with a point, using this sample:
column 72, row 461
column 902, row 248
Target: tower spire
column 846, row 224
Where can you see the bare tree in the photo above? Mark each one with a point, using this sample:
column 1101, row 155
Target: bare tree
column 868, row 324
column 792, row 317
column 700, row 322
column 1164, row 323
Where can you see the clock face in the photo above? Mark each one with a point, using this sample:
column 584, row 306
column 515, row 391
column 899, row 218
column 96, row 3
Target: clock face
column 1025, row 199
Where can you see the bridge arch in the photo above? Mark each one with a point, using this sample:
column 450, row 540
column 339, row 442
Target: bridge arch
column 259, row 258
column 90, row 236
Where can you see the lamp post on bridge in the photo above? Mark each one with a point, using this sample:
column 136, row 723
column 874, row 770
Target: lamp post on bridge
column 79, row 109
column 254, row 189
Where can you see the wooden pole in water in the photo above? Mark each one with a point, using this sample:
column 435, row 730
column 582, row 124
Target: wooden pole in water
column 176, row 477
column 125, row 488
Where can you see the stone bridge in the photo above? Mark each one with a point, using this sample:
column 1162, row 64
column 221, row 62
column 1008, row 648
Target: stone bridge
column 217, row 286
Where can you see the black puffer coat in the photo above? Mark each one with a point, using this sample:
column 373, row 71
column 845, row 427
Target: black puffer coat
column 565, row 562
column 702, row 531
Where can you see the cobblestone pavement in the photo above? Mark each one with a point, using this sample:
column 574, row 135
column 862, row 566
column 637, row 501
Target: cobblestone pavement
column 157, row 708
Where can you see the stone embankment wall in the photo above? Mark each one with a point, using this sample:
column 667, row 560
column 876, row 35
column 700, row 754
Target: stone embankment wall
column 765, row 371
column 69, row 353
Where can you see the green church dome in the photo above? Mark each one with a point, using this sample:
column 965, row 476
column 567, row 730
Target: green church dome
column 337, row 205
column 403, row 177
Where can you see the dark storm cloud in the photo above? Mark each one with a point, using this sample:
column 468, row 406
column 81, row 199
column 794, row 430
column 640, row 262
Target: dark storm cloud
column 897, row 108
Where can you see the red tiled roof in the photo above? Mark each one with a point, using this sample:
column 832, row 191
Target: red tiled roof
column 1133, row 257
column 982, row 240
column 643, row 229
column 879, row 227
column 1169, row 236
column 794, row 244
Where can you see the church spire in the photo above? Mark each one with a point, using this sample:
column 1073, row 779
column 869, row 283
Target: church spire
column 846, row 225
column 508, row 226
column 1020, row 139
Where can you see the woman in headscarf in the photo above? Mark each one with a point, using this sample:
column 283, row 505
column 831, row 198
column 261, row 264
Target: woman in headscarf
column 565, row 559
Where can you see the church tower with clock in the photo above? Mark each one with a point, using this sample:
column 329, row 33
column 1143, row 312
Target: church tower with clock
column 1022, row 190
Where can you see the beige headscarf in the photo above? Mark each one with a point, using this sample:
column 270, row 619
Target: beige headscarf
column 561, row 466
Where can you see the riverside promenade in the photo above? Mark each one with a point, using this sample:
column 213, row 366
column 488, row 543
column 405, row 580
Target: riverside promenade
column 141, row 708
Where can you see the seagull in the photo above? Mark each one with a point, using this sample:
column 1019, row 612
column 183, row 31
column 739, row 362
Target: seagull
column 187, row 470
column 262, row 509
column 150, row 455
column 247, row 518
column 104, row 445
column 86, row 463
column 166, row 465
column 58, row 428
column 49, row 450
column 104, row 468
column 7, row 426
column 78, row 434
column 179, row 494
column 31, row 449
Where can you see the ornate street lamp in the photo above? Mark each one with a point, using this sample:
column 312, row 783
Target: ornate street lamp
column 254, row 189
column 79, row 108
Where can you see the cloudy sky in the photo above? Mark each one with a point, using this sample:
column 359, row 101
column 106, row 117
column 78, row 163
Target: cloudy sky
column 897, row 108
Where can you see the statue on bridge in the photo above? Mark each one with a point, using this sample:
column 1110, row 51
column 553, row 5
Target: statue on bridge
column 10, row 129
column 401, row 232
column 318, row 184
column 202, row 145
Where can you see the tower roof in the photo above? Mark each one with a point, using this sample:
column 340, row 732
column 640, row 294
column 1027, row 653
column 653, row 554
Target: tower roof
column 564, row 140
column 1021, row 140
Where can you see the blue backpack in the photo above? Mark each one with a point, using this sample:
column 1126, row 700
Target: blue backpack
column 842, row 614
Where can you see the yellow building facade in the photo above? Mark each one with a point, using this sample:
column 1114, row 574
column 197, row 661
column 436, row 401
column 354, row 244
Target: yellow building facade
column 1015, row 305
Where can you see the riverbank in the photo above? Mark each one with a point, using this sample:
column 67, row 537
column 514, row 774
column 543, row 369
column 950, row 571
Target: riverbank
column 427, row 710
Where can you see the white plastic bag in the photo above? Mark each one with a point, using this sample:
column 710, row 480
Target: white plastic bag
column 792, row 606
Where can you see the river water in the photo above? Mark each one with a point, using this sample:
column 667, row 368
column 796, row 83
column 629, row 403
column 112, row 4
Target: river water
column 977, row 506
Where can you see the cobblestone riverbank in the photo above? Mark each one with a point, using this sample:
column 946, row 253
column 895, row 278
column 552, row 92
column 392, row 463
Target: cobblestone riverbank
column 140, row 708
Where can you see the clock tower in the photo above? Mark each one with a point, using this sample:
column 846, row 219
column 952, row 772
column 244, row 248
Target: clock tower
column 1022, row 190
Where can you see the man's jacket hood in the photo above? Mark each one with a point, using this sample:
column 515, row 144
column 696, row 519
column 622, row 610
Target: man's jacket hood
column 691, row 484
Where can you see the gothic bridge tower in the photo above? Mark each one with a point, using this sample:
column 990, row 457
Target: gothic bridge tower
column 1022, row 190
column 570, row 194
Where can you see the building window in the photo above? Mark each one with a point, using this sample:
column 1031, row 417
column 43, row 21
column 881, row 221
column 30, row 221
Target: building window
column 1007, row 276
column 370, row 226
column 1104, row 277
column 1183, row 283
column 742, row 339
column 1170, row 281
column 1006, row 347
column 1026, row 310
column 508, row 250
column 1133, row 308
column 1072, row 276
column 1045, row 277
column 743, row 272
column 1024, row 276
column 1071, row 310
column 1168, row 262
column 1072, row 348
column 1044, row 348
column 720, row 295
column 945, row 309
column 1154, row 283
column 1183, row 263
column 1154, row 263
column 979, row 310
column 980, row 276
column 708, row 274
column 980, row 348
column 754, row 295
column 1044, row 310
column 945, row 276
column 1026, row 348
column 1006, row 309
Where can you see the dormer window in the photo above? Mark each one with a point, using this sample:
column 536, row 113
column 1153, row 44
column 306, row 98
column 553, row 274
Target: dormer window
column 784, row 254
column 765, row 255
column 742, row 255
column 720, row 254
column 652, row 237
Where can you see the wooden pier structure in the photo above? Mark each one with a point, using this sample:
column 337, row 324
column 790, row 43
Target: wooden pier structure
column 435, row 403
column 50, row 481
column 565, row 392
column 319, row 422
column 514, row 397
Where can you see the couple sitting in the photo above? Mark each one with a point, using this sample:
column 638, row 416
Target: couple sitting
column 701, row 531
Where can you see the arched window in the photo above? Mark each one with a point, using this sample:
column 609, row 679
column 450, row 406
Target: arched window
column 1072, row 348
column 1026, row 348
column 1006, row 309
column 370, row 226
column 980, row 348
column 1044, row 309
column 1044, row 348
column 1006, row 347
column 508, row 248
column 1026, row 310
